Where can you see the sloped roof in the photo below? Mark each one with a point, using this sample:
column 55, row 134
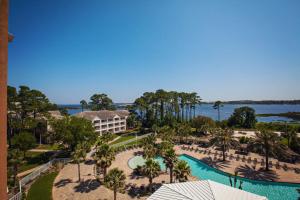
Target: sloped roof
column 102, row 114
column 202, row 190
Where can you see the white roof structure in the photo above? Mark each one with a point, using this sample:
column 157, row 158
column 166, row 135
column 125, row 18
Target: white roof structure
column 202, row 190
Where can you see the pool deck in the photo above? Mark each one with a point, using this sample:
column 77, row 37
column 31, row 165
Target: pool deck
column 246, row 169
column 66, row 186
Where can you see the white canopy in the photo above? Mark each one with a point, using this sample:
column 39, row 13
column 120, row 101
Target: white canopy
column 202, row 190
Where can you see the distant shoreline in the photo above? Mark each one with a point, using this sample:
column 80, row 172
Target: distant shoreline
column 265, row 102
column 292, row 115
column 238, row 102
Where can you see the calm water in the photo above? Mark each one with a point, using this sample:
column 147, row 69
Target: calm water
column 227, row 110
column 272, row 190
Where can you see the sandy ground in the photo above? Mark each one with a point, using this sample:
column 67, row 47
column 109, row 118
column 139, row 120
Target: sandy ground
column 66, row 186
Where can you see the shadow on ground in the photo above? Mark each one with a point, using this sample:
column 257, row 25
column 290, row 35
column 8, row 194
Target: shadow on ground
column 219, row 164
column 257, row 174
column 140, row 191
column 87, row 186
column 63, row 182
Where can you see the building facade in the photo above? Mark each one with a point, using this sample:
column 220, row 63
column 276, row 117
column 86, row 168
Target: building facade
column 106, row 121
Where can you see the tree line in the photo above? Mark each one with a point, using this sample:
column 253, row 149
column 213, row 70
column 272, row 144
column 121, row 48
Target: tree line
column 163, row 107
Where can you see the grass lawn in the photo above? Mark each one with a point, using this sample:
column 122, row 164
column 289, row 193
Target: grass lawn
column 48, row 147
column 135, row 142
column 34, row 159
column 42, row 188
column 123, row 138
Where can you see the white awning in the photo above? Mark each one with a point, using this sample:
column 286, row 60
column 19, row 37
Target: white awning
column 202, row 190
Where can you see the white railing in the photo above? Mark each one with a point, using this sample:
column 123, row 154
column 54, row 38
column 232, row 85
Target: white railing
column 36, row 173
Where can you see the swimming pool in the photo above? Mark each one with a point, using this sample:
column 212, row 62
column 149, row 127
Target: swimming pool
column 272, row 190
column 139, row 160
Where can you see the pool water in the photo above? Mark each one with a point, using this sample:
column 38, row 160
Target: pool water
column 271, row 190
column 139, row 160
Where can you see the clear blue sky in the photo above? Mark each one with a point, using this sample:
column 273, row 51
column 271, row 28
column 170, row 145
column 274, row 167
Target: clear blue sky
column 227, row 50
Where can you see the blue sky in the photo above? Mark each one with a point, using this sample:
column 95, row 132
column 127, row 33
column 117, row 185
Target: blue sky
column 227, row 50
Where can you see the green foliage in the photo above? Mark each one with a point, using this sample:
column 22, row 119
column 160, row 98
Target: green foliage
column 14, row 161
column 244, row 140
column 115, row 180
column 278, row 126
column 79, row 154
column 104, row 156
column 166, row 108
column 268, row 143
column 217, row 106
column 73, row 130
column 166, row 133
column 23, row 141
column 42, row 188
column 224, row 139
column 83, row 104
column 101, row 102
column 170, row 159
column 150, row 148
column 151, row 170
column 203, row 124
column 27, row 111
column 243, row 117
column 182, row 170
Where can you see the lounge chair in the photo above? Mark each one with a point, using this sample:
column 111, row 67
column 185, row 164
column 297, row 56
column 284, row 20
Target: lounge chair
column 277, row 165
column 285, row 167
column 255, row 161
column 270, row 164
column 237, row 158
column 249, row 160
column 297, row 170
column 243, row 159
column 231, row 157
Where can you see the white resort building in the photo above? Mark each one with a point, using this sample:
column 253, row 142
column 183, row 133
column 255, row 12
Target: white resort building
column 106, row 121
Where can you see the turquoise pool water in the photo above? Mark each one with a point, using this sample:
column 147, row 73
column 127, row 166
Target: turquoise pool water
column 139, row 160
column 272, row 190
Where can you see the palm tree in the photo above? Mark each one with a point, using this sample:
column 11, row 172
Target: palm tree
column 151, row 170
column 170, row 158
column 155, row 129
column 195, row 100
column 183, row 100
column 104, row 156
column 15, row 159
column 83, row 104
column 115, row 180
column 182, row 170
column 291, row 135
column 224, row 139
column 166, row 133
column 161, row 95
column 267, row 142
column 217, row 106
column 183, row 130
column 78, row 156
